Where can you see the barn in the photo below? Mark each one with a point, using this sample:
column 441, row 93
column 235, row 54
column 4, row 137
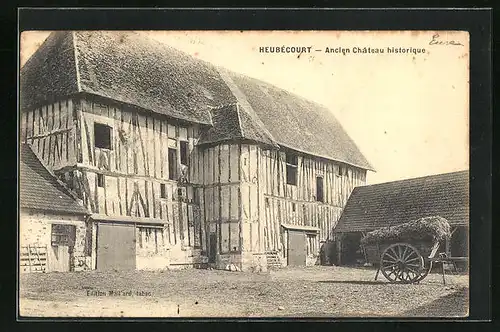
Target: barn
column 183, row 163
column 53, row 222
column 392, row 203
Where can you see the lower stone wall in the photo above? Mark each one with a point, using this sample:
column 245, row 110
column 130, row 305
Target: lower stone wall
column 254, row 262
column 174, row 257
column 223, row 260
column 153, row 262
column 246, row 261
column 312, row 260
column 83, row 251
column 152, row 252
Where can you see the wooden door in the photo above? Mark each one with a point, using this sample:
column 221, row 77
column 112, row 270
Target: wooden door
column 297, row 249
column 62, row 244
column 59, row 258
column 116, row 247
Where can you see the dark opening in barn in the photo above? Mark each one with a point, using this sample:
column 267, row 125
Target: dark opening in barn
column 459, row 246
column 102, row 136
column 352, row 252
column 184, row 152
column 163, row 191
column 100, row 180
column 172, row 164
column 291, row 169
column 319, row 189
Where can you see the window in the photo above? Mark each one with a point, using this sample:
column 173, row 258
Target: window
column 319, row 189
column 62, row 235
column 293, row 207
column 339, row 170
column 291, row 169
column 172, row 164
column 102, row 136
column 184, row 152
column 163, row 191
column 343, row 171
column 100, row 180
column 196, row 196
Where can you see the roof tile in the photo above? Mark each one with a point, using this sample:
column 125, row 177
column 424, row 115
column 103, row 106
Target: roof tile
column 40, row 190
column 391, row 203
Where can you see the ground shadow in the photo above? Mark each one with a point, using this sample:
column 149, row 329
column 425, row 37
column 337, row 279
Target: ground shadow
column 455, row 304
column 354, row 282
column 357, row 267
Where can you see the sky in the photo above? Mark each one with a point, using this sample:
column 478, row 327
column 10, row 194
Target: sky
column 408, row 113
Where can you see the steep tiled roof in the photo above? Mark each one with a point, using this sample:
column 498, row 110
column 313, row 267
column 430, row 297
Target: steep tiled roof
column 136, row 70
column 39, row 189
column 125, row 67
column 391, row 203
column 300, row 124
column 50, row 73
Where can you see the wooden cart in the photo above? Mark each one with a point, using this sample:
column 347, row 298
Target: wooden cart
column 402, row 262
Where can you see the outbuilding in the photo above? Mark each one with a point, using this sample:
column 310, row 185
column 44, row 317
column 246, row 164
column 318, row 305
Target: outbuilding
column 392, row 203
column 53, row 221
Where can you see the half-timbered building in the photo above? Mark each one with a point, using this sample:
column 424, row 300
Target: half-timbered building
column 180, row 162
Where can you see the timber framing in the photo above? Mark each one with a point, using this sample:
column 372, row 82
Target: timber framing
column 205, row 161
column 243, row 192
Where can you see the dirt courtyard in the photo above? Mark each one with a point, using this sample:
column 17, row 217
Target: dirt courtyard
column 319, row 291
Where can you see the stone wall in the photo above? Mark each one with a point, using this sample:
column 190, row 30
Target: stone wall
column 254, row 262
column 246, row 261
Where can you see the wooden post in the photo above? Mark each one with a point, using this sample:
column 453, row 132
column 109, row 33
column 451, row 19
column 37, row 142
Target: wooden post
column 38, row 257
column 363, row 234
column 180, row 217
column 339, row 249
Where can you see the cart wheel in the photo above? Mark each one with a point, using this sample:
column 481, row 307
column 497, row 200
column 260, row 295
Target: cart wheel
column 401, row 262
column 425, row 271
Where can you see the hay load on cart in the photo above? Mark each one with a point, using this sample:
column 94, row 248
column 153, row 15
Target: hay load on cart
column 404, row 252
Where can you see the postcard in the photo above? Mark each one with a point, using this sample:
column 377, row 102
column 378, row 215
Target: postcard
column 244, row 174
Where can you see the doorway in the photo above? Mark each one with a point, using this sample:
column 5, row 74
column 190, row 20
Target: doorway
column 351, row 251
column 297, row 249
column 116, row 246
column 212, row 252
column 62, row 245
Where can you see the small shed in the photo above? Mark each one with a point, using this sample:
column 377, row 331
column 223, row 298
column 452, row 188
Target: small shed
column 53, row 222
column 392, row 203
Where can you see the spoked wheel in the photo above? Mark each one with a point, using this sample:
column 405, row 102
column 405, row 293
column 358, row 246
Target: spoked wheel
column 425, row 271
column 401, row 262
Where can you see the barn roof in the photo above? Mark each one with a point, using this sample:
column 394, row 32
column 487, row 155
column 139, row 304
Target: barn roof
column 139, row 71
column 39, row 189
column 391, row 203
column 300, row 124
